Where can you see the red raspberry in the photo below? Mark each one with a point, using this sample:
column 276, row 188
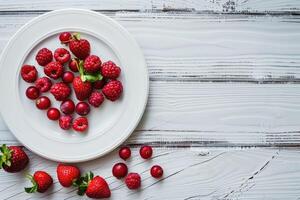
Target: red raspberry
column 43, row 84
column 133, row 181
column 92, row 64
column 65, row 122
column 73, row 65
column 60, row 91
column 65, row 37
column 113, row 90
column 96, row 99
column 99, row 84
column 80, row 124
column 54, row 70
column 44, row 56
column 110, row 70
column 62, row 55
column 29, row 73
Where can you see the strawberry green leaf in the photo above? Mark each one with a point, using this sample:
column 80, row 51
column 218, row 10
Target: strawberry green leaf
column 6, row 156
column 93, row 78
column 34, row 187
column 76, row 36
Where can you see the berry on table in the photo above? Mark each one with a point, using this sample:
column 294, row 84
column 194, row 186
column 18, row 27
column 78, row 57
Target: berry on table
column 67, row 174
column 146, row 151
column 156, row 171
column 68, row 77
column 32, row 92
column 79, row 47
column 43, row 84
column 119, row 170
column 73, row 65
column 53, row 113
column 54, row 70
column 41, row 181
column 124, row 153
column 65, row 37
column 96, row 99
column 82, row 108
column 44, row 56
column 99, row 84
column 92, row 64
column 67, row 107
column 82, row 89
column 29, row 73
column 110, row 70
column 60, row 91
column 65, row 122
column 80, row 124
column 133, row 181
column 43, row 103
column 113, row 90
column 62, row 55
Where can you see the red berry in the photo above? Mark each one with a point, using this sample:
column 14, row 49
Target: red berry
column 43, row 103
column 96, row 99
column 80, row 47
column 54, row 70
column 53, row 114
column 43, row 84
column 62, row 55
column 119, row 170
column 73, row 65
column 99, row 84
column 97, row 188
column 146, row 152
column 29, row 73
column 44, row 56
column 125, row 153
column 67, row 107
column 13, row 158
column 110, row 70
column 66, row 174
column 80, row 124
column 82, row 89
column 32, row 92
column 65, row 37
column 68, row 77
column 65, row 122
column 60, row 91
column 133, row 181
column 92, row 64
column 113, row 90
column 82, row 108
column 156, row 171
column 41, row 182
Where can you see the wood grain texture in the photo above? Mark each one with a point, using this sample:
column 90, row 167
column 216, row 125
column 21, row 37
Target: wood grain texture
column 216, row 173
column 218, row 6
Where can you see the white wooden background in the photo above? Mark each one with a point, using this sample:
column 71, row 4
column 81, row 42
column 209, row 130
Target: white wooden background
column 224, row 105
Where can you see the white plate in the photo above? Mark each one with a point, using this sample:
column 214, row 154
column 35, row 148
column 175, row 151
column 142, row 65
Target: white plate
column 111, row 124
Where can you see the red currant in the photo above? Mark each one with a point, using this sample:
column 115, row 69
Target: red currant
column 32, row 92
column 119, row 170
column 68, row 77
column 146, row 152
column 73, row 65
column 53, row 114
column 156, row 171
column 43, row 103
column 67, row 107
column 82, row 108
column 65, row 37
column 125, row 153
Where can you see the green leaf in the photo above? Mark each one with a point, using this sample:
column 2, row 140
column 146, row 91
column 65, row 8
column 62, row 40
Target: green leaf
column 76, row 36
column 34, row 187
column 8, row 163
column 2, row 148
column 81, row 189
column 93, row 78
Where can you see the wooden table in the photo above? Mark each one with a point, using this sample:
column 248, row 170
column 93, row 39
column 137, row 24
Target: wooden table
column 224, row 106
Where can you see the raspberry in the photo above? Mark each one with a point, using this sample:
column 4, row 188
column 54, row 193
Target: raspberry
column 62, row 55
column 92, row 64
column 133, row 181
column 113, row 90
column 54, row 70
column 65, row 122
column 29, row 73
column 110, row 70
column 99, row 84
column 44, row 56
column 80, row 124
column 43, row 84
column 60, row 91
column 96, row 99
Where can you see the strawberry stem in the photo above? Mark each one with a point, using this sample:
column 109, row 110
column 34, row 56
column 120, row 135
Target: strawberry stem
column 5, row 158
column 88, row 77
column 34, row 187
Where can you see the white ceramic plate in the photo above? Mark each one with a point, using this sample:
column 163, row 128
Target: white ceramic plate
column 111, row 124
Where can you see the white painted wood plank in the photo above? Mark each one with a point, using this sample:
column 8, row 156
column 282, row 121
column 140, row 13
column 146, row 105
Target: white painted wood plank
column 165, row 5
column 189, row 174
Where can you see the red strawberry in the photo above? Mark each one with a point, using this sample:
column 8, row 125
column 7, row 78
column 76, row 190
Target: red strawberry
column 110, row 70
column 113, row 90
column 67, row 174
column 44, row 56
column 29, row 73
column 41, row 182
column 13, row 158
column 79, row 47
column 54, row 70
column 82, row 89
column 92, row 64
column 94, row 187
column 60, row 91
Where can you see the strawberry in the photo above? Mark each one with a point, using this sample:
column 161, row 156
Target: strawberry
column 94, row 187
column 79, row 47
column 67, row 174
column 13, row 158
column 41, row 182
column 82, row 89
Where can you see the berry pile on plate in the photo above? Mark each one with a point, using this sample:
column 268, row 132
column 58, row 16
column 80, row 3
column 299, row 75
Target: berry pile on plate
column 91, row 79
